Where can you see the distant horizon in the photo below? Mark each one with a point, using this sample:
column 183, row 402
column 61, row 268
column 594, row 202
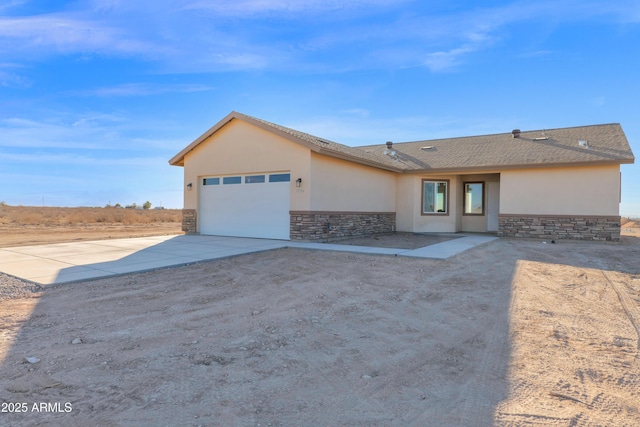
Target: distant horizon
column 106, row 206
column 628, row 216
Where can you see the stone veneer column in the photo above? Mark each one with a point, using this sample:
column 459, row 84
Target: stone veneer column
column 569, row 227
column 310, row 226
column 189, row 221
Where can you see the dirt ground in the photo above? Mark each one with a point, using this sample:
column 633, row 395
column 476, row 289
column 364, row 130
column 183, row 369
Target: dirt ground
column 511, row 333
column 26, row 235
column 395, row 240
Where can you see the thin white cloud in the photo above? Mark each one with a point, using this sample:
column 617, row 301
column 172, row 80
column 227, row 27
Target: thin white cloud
column 106, row 5
column 214, row 36
column 597, row 101
column 59, row 33
column 78, row 159
column 441, row 61
column 479, row 29
column 9, row 4
column 97, row 119
column 102, row 132
column 13, row 80
column 247, row 8
column 85, row 132
column 358, row 112
column 142, row 89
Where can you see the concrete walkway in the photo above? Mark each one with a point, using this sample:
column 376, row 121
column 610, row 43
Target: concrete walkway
column 69, row 262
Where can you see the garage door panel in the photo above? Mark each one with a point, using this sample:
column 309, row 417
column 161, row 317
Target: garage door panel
column 246, row 210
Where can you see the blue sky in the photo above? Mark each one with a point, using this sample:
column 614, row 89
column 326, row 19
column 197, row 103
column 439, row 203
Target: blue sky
column 97, row 95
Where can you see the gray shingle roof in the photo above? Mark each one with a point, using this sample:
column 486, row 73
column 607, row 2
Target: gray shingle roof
column 607, row 144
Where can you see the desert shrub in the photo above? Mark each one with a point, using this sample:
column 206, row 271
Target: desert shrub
column 31, row 215
column 23, row 216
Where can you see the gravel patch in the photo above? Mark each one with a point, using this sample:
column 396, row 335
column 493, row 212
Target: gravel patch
column 13, row 288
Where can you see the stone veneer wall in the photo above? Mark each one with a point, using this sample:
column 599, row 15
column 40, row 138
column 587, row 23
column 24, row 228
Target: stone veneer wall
column 560, row 227
column 309, row 226
column 189, row 221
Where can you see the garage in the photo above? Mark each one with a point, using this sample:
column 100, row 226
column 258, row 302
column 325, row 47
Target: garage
column 255, row 205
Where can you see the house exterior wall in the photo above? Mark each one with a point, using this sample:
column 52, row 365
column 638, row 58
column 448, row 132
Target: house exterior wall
column 315, row 226
column 339, row 185
column 550, row 227
column 240, row 148
column 406, row 203
column 578, row 203
column 346, row 199
column 190, row 221
column 592, row 190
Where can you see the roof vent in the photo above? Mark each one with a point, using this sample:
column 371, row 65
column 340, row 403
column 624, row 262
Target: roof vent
column 389, row 151
column 515, row 133
column 584, row 143
column 544, row 137
column 427, row 147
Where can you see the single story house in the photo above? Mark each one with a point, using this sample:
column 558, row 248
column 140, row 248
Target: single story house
column 249, row 177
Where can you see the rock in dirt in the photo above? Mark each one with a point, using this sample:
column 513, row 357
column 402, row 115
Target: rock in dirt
column 76, row 341
column 32, row 360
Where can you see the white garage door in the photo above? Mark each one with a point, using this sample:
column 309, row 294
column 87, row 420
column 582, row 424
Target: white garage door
column 246, row 205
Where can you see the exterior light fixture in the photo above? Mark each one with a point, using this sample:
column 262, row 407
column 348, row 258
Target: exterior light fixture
column 189, row 186
column 299, row 182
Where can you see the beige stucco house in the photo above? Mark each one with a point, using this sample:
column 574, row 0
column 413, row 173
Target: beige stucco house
column 252, row 178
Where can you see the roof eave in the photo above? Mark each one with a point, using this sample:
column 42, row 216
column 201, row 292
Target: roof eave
column 354, row 159
column 498, row 168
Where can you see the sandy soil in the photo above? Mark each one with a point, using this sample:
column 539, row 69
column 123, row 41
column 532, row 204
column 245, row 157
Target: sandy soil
column 25, row 235
column 395, row 240
column 512, row 333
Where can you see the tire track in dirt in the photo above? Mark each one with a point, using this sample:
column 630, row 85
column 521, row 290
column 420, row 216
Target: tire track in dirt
column 599, row 384
column 627, row 304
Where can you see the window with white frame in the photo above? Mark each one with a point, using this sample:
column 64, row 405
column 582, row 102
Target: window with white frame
column 435, row 197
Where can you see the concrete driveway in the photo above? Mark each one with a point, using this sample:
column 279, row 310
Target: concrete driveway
column 69, row 262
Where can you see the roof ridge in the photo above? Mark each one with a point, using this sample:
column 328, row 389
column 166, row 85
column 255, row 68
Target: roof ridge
column 490, row 135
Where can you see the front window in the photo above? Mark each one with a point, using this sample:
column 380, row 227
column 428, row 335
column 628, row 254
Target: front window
column 473, row 198
column 435, row 197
